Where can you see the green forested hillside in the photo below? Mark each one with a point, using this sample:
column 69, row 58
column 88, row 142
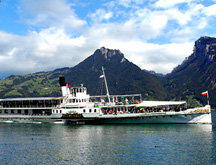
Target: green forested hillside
column 32, row 85
column 194, row 76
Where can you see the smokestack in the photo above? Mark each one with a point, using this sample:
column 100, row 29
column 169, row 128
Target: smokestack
column 63, row 85
column 62, row 81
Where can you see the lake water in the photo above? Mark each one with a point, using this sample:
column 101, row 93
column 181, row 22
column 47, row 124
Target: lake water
column 107, row 144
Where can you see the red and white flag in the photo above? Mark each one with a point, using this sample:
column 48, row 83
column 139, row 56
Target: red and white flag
column 204, row 93
column 68, row 84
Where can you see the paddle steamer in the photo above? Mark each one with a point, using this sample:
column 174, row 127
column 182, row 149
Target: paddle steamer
column 76, row 106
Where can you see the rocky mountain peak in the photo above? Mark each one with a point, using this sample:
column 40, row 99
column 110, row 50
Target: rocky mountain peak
column 204, row 52
column 111, row 54
column 205, row 46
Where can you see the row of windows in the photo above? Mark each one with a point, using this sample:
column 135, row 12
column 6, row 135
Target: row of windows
column 84, row 111
column 27, row 112
column 12, row 111
column 57, row 111
column 30, row 103
column 77, row 100
column 78, row 90
column 90, row 110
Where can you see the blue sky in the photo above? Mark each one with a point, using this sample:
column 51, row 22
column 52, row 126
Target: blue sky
column 42, row 35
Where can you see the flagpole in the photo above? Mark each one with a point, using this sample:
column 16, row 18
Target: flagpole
column 106, row 85
column 207, row 98
column 206, row 94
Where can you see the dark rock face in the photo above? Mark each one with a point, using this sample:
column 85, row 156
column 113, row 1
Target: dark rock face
column 196, row 73
column 205, row 46
column 111, row 55
column 204, row 51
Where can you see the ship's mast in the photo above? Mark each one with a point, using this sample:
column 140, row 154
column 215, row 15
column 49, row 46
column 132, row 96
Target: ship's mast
column 106, row 84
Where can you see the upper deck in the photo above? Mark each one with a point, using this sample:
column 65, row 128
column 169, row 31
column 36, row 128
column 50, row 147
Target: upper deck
column 33, row 102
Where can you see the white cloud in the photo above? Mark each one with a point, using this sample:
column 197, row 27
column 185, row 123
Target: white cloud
column 170, row 3
column 63, row 39
column 160, row 58
column 50, row 13
column 101, row 15
column 43, row 51
column 210, row 10
column 128, row 3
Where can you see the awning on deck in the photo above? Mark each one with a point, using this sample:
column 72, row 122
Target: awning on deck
column 31, row 98
column 159, row 103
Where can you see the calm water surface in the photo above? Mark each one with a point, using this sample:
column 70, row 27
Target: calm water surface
column 107, row 144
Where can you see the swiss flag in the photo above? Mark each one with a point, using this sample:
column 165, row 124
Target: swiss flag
column 204, row 93
column 68, row 84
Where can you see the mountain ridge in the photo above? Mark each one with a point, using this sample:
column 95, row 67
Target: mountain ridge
column 123, row 77
column 196, row 73
column 186, row 82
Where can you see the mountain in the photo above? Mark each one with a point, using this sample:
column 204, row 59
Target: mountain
column 196, row 74
column 123, row 77
column 154, row 73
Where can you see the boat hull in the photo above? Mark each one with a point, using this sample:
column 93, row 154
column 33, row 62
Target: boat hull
column 30, row 119
column 199, row 118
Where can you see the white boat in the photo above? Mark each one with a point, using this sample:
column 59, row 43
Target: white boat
column 76, row 106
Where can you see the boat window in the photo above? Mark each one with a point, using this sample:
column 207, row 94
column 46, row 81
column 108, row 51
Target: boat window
column 89, row 110
column 0, row 111
column 84, row 110
column 12, row 111
column 26, row 112
column 56, row 111
column 19, row 111
column 6, row 111
column 95, row 110
column 60, row 111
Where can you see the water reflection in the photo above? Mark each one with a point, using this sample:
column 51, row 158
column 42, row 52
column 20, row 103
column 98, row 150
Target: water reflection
column 109, row 144
column 135, row 143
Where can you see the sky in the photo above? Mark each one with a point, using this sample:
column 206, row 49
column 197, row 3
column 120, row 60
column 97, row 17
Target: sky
column 43, row 35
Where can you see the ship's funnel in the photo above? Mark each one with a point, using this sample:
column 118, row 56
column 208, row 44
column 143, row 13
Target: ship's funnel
column 62, row 81
column 63, row 86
